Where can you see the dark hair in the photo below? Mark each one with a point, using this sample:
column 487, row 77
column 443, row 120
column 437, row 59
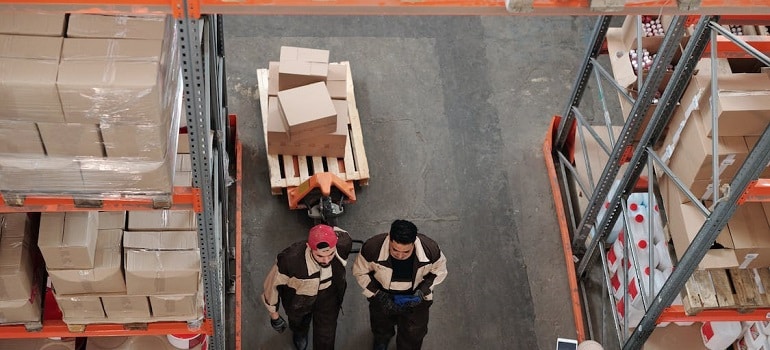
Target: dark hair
column 402, row 231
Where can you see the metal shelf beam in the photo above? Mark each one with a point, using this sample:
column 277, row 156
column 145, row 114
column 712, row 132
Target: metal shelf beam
column 57, row 328
column 387, row 7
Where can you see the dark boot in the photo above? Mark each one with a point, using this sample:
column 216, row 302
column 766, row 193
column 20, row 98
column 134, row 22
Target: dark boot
column 381, row 344
column 300, row 341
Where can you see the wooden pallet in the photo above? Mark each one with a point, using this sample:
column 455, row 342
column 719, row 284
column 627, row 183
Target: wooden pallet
column 737, row 289
column 290, row 170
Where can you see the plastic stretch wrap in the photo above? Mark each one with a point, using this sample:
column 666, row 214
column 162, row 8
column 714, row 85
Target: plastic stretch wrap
column 119, row 83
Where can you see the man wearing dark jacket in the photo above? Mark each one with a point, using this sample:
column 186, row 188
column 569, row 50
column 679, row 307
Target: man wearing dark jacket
column 309, row 278
column 398, row 271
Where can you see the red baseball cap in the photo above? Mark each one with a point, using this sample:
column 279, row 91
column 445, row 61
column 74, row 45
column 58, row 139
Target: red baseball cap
column 321, row 234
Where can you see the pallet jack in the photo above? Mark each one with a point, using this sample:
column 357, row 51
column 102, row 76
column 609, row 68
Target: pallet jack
column 324, row 195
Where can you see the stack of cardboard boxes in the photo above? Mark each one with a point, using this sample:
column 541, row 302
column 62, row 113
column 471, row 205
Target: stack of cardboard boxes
column 307, row 107
column 743, row 111
column 20, row 287
column 95, row 111
column 106, row 271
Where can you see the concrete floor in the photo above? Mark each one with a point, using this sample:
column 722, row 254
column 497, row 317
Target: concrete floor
column 454, row 111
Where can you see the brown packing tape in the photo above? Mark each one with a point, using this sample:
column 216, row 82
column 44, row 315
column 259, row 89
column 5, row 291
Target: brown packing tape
column 170, row 306
column 66, row 258
column 88, row 286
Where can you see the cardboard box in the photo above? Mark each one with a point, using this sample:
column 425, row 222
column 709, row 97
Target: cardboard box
column 121, row 307
column 162, row 272
column 16, row 269
column 751, row 141
column 28, row 70
column 743, row 107
column 160, row 240
column 183, row 162
column 326, row 145
column 109, row 220
column 119, row 27
column 15, row 225
column 751, row 235
column 40, row 174
column 140, row 141
column 142, row 177
column 684, row 222
column 336, row 82
column 692, row 159
column 81, row 307
column 183, row 143
column 307, row 111
column 153, row 342
column 301, row 66
column 77, row 49
column 183, row 178
column 105, row 277
column 620, row 41
column 272, row 79
column 31, row 23
column 174, row 305
column 22, row 310
column 160, row 263
column 38, row 343
column 68, row 240
column 20, row 138
column 126, row 91
column 162, row 220
column 71, row 139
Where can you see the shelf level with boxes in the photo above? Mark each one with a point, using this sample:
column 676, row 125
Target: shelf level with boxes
column 122, row 98
column 659, row 137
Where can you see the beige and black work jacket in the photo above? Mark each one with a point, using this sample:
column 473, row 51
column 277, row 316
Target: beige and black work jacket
column 373, row 270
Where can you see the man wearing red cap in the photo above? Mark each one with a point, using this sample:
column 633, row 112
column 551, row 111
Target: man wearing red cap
column 309, row 278
column 398, row 271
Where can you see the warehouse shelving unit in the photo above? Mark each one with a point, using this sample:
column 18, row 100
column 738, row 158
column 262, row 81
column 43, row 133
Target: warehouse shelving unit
column 205, row 102
column 631, row 154
column 210, row 132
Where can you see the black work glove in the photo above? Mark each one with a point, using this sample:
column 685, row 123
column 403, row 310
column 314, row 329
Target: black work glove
column 279, row 324
column 385, row 301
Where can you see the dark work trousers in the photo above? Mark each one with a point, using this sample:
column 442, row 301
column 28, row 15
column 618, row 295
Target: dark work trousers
column 412, row 325
column 324, row 317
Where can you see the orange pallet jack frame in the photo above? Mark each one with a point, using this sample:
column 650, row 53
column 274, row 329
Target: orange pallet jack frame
column 324, row 183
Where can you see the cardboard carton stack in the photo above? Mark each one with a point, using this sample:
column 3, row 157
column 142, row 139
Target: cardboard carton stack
column 20, row 289
column 624, row 49
column 96, row 111
column 307, row 107
column 102, row 273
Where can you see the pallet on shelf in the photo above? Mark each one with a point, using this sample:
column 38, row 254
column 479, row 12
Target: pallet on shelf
column 291, row 170
column 737, row 289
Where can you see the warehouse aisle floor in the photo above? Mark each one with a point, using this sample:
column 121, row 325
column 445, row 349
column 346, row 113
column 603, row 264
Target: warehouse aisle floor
column 453, row 111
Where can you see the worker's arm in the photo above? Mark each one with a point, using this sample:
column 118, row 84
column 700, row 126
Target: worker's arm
column 270, row 296
column 344, row 243
column 362, row 271
column 436, row 275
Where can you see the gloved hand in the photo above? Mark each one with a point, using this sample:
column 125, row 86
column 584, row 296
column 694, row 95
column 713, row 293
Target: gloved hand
column 385, row 301
column 279, row 324
column 419, row 293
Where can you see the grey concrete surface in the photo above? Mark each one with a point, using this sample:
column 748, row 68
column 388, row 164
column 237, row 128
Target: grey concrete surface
column 454, row 111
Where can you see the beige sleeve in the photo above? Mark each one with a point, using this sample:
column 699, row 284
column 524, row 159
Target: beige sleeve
column 361, row 269
column 270, row 294
column 439, row 269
